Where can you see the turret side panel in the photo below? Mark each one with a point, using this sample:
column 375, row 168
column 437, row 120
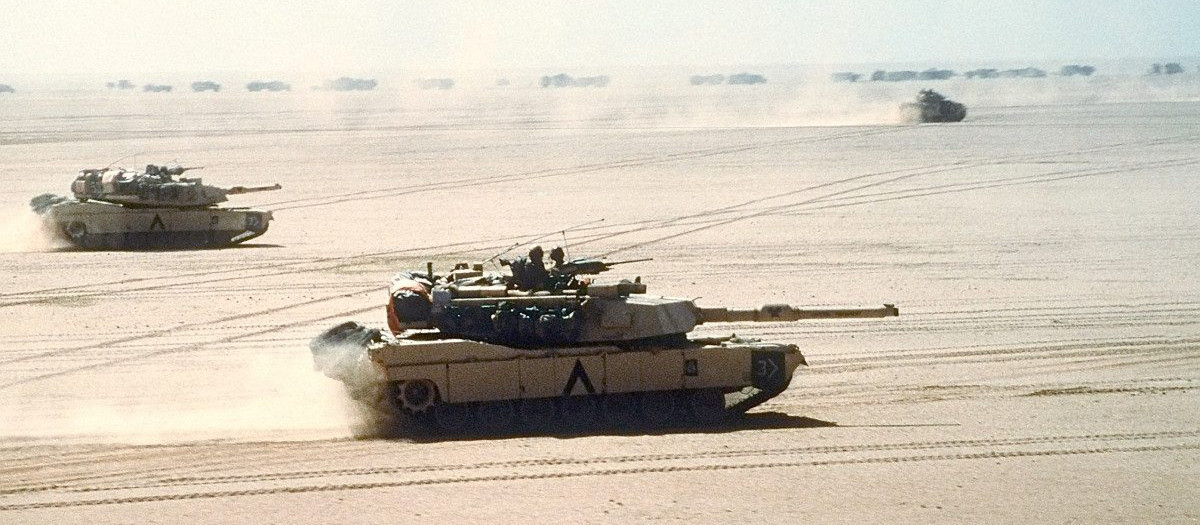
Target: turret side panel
column 638, row 317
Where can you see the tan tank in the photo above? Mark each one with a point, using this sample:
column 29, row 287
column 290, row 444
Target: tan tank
column 119, row 209
column 931, row 106
column 475, row 351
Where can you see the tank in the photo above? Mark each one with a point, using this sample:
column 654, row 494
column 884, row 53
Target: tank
column 119, row 209
column 537, row 347
column 931, row 106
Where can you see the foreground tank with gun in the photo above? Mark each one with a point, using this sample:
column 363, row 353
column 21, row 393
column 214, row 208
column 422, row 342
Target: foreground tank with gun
column 117, row 209
column 489, row 351
column 931, row 106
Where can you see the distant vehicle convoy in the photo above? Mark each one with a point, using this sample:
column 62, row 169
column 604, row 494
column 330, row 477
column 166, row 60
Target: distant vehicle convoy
column 563, row 80
column 944, row 74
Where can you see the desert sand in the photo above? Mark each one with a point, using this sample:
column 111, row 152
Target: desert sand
column 1043, row 253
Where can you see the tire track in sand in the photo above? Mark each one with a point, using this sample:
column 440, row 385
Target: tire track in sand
column 1086, row 444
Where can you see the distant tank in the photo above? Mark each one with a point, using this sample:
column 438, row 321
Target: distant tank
column 472, row 351
column 156, row 88
column 204, row 85
column 351, row 84
column 273, row 85
column 119, row 209
column 5, row 88
column 931, row 106
column 746, row 79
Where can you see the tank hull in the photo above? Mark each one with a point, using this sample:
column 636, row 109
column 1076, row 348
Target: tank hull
column 460, row 385
column 934, row 111
column 103, row 226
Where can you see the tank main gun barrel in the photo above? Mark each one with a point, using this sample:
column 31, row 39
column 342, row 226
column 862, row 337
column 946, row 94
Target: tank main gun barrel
column 784, row 313
column 593, row 266
column 237, row 190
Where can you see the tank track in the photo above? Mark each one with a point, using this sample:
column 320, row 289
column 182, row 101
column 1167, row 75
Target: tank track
column 750, row 397
column 616, row 412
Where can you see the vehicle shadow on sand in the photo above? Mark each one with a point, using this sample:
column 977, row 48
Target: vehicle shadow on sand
column 748, row 422
column 244, row 246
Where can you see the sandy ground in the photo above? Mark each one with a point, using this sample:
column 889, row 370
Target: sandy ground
column 1045, row 367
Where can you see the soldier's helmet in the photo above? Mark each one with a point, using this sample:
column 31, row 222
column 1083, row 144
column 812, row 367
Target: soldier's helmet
column 536, row 253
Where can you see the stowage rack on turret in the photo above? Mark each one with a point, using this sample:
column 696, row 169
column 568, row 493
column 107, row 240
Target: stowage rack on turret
column 536, row 346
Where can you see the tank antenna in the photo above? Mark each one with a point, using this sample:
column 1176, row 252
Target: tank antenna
column 123, row 158
column 540, row 237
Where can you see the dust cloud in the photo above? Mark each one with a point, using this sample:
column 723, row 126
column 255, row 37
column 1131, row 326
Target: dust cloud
column 21, row 230
column 340, row 354
column 188, row 403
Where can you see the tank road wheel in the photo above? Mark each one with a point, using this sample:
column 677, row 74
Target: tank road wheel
column 417, row 395
column 76, row 230
column 496, row 416
column 453, row 417
column 537, row 413
column 622, row 410
column 578, row 411
column 707, row 406
column 661, row 408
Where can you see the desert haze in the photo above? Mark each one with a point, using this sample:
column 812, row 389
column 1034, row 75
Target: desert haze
column 1043, row 253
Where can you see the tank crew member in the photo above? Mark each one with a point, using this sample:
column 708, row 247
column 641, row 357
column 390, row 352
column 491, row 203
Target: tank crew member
column 535, row 270
column 559, row 278
column 529, row 273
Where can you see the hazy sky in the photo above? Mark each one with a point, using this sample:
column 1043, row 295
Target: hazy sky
column 82, row 36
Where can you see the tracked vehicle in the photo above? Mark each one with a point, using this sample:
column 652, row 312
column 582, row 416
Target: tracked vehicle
column 124, row 210
column 543, row 348
column 931, row 106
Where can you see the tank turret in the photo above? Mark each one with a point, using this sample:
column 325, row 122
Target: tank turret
column 156, row 187
column 534, row 306
column 931, row 106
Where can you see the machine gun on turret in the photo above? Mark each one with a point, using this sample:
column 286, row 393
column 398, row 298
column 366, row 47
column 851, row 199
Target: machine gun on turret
column 166, row 172
column 593, row 266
